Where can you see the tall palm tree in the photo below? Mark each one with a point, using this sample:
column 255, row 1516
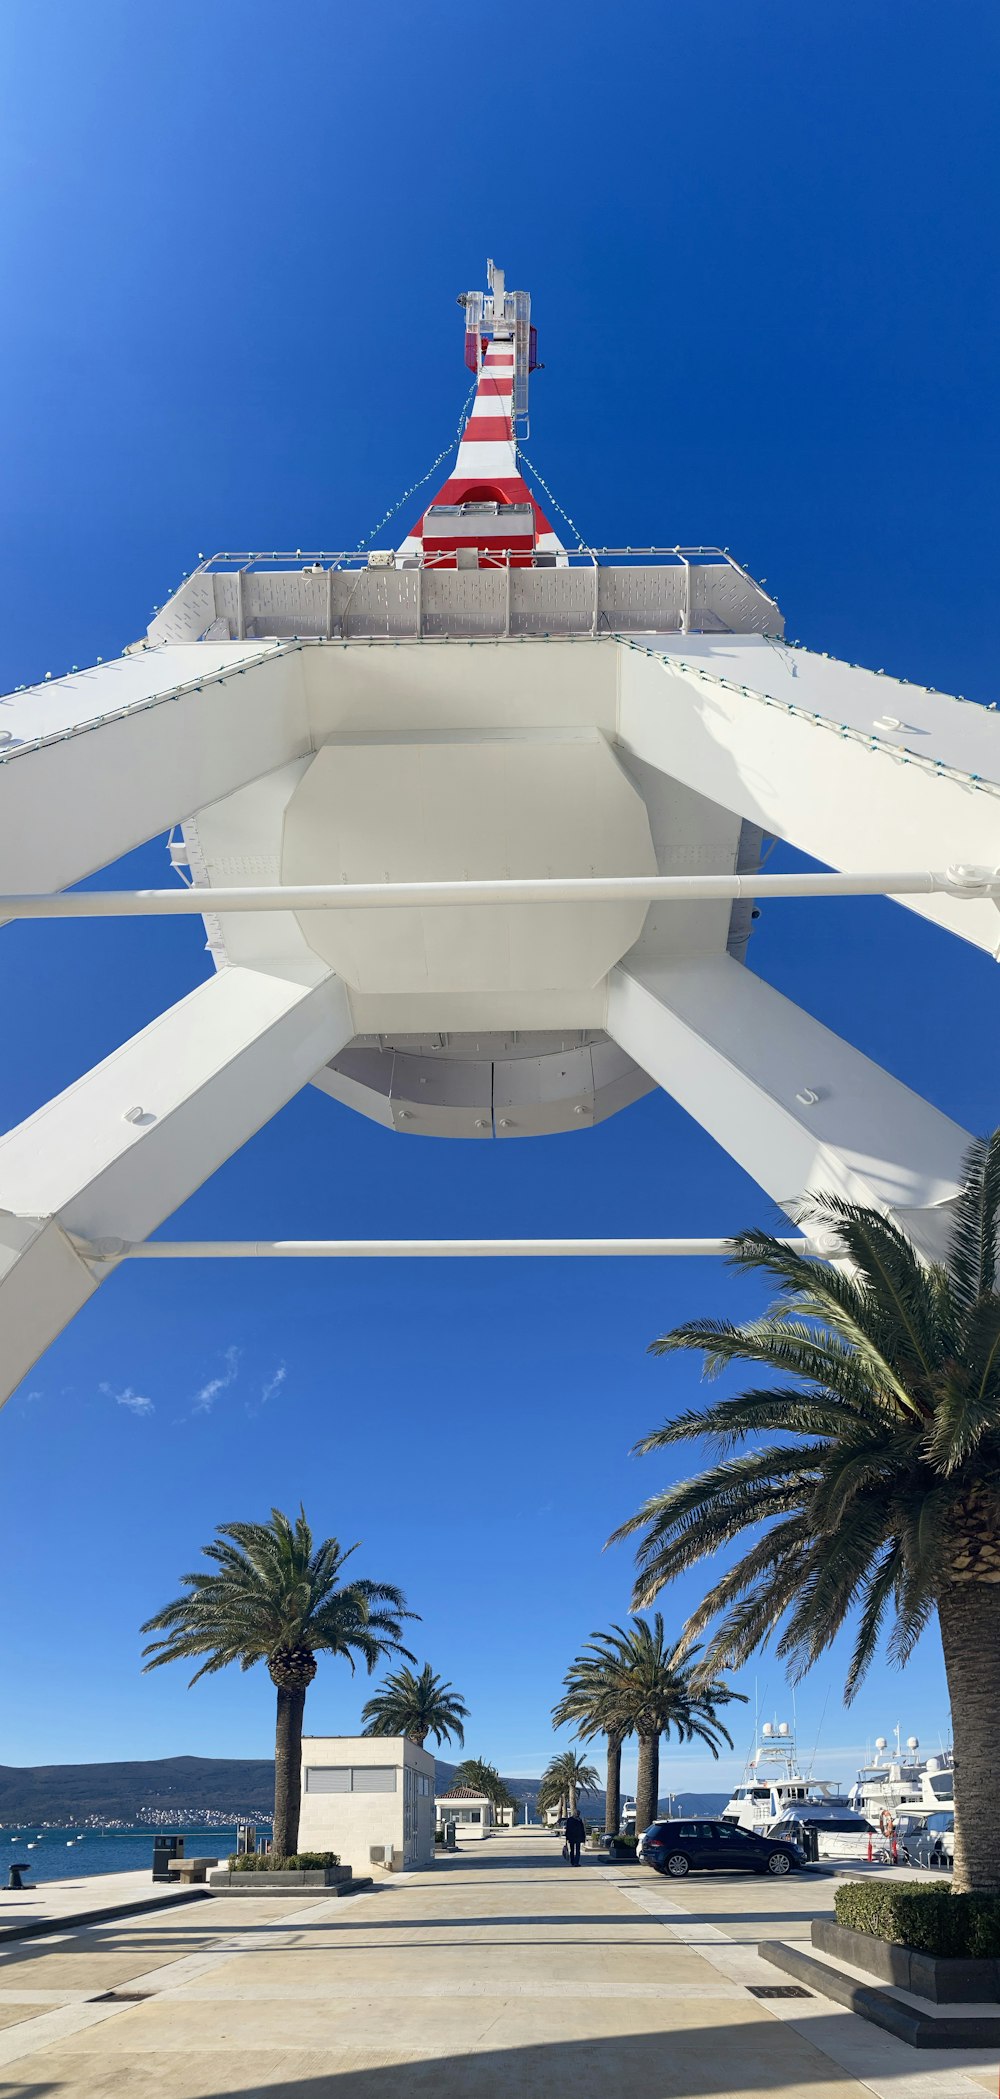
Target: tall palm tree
column 416, row 1706
column 563, row 1781
column 881, row 1500
column 279, row 1599
column 484, row 1778
column 660, row 1691
column 591, row 1702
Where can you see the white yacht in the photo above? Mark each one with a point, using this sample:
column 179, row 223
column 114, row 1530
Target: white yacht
column 773, row 1783
column 899, row 1781
column 775, row 1798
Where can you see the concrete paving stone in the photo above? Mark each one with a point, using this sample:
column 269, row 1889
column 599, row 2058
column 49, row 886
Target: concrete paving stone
column 409, row 1964
column 430, row 2025
column 12, row 2014
column 640, row 2068
column 91, row 1971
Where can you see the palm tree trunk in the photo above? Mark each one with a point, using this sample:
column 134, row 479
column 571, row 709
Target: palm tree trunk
column 288, row 1771
column 969, row 1614
column 613, row 1795
column 572, row 1800
column 647, row 1788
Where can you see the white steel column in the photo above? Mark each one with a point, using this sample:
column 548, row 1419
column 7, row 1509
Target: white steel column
column 93, row 764
column 856, row 769
column 796, row 1106
column 114, row 1154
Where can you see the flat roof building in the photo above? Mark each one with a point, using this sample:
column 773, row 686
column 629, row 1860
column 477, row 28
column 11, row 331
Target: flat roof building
column 365, row 1793
column 474, row 1816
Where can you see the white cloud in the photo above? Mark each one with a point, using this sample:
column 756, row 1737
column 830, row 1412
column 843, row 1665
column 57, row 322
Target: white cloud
column 273, row 1385
column 205, row 1398
column 136, row 1402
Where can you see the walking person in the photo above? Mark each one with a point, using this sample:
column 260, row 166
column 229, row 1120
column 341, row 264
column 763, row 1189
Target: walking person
column 575, row 1833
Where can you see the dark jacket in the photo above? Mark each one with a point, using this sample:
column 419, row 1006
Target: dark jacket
column 575, row 1830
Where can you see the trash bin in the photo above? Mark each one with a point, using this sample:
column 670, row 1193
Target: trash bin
column 164, row 1849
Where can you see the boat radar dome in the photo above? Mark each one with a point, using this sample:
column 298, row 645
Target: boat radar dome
column 767, row 1730
column 783, row 1727
column 880, row 1742
column 913, row 1741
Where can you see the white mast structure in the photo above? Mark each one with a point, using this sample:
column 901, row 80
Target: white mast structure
column 475, row 829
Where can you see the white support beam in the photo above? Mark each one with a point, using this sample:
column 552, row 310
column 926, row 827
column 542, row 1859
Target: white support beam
column 93, row 764
column 798, row 1108
column 119, row 1150
column 409, row 1249
column 845, row 763
column 965, row 884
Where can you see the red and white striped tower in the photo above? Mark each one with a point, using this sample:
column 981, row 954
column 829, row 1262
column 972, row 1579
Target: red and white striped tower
column 485, row 509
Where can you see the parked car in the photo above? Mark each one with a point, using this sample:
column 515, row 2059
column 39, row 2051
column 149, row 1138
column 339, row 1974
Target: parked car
column 931, row 1842
column 676, row 1848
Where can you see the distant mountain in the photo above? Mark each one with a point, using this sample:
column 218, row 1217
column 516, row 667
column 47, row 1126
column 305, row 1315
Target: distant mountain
column 114, row 1792
column 233, row 1786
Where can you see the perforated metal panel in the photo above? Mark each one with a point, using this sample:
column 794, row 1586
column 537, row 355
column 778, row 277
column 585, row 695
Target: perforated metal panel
column 333, row 596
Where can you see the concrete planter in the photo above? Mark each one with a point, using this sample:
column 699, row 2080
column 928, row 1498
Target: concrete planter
column 282, row 1883
column 940, row 1981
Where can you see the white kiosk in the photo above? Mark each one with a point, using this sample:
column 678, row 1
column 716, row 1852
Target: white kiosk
column 472, row 1813
column 365, row 1795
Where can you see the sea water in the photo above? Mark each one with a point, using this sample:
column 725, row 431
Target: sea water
column 75, row 1854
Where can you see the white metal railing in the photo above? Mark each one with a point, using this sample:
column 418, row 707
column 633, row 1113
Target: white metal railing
column 964, row 884
column 108, row 1250
column 228, row 561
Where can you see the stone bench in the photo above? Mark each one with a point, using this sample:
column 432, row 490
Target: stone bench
column 190, row 1869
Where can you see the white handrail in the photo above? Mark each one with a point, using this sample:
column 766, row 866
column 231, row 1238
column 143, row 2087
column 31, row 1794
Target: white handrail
column 407, row 1249
column 966, row 884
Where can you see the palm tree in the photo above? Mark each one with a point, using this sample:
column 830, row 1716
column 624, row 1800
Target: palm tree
column 484, row 1778
column 416, row 1706
column 882, row 1496
column 279, row 1599
column 660, row 1691
column 591, row 1701
column 563, row 1780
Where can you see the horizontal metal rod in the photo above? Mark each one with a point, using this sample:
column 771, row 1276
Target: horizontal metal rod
column 966, row 883
column 402, row 1249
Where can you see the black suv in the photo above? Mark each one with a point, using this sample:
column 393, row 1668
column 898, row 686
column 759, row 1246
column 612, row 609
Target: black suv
column 677, row 1848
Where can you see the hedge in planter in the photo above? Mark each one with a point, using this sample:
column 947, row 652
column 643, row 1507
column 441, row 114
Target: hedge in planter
column 929, row 1920
column 266, row 1862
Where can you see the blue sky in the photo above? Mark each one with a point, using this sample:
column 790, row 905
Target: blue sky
column 760, row 242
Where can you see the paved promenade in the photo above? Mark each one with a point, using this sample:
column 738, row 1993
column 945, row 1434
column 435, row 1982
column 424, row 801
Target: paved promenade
column 499, row 1974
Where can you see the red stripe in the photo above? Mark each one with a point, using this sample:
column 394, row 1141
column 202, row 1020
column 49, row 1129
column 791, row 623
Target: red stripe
column 521, row 542
column 487, row 430
column 510, row 486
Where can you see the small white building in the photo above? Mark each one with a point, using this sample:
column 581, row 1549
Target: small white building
column 364, row 1792
column 471, row 1812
